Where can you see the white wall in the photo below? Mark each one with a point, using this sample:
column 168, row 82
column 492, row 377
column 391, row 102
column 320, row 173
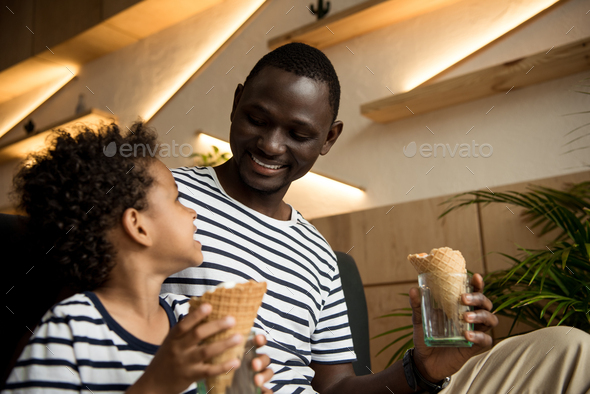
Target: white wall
column 526, row 127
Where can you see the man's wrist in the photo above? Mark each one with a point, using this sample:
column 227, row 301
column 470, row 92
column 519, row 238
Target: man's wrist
column 419, row 365
column 416, row 380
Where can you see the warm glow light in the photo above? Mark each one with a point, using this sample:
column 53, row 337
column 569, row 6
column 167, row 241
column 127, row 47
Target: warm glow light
column 205, row 143
column 335, row 186
column 20, row 107
column 20, row 149
column 473, row 42
column 217, row 39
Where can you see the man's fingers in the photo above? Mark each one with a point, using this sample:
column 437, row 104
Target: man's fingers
column 416, row 308
column 477, row 300
column 259, row 340
column 479, row 338
column 263, row 377
column 477, row 283
column 260, row 362
column 483, row 320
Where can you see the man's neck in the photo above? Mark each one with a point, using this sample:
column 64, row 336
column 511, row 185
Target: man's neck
column 271, row 205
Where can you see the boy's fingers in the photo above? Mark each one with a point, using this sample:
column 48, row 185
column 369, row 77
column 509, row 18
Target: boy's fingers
column 205, row 330
column 206, row 352
column 208, row 370
column 192, row 319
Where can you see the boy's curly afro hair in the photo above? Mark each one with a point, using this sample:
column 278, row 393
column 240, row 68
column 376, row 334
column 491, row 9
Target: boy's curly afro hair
column 77, row 190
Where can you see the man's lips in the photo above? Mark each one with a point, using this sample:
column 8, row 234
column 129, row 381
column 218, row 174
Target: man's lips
column 273, row 166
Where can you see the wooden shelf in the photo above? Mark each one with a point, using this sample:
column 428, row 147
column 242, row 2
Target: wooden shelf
column 358, row 20
column 21, row 148
column 124, row 28
column 555, row 63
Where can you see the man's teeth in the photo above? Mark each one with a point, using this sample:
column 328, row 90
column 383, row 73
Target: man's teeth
column 265, row 165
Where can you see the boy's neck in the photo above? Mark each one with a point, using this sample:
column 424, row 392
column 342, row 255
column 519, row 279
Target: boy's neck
column 132, row 298
column 132, row 287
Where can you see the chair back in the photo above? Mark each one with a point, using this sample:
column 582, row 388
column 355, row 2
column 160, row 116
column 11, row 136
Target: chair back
column 358, row 316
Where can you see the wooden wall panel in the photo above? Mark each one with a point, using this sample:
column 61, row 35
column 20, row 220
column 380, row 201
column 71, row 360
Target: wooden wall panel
column 53, row 25
column 382, row 238
column 382, row 300
column 16, row 41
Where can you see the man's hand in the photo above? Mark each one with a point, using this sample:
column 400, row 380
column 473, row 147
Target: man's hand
column 437, row 363
column 260, row 364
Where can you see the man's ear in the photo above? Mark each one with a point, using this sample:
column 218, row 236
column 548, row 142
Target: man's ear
column 135, row 226
column 237, row 96
column 333, row 134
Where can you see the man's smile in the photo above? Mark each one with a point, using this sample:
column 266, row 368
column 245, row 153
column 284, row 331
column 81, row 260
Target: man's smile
column 266, row 164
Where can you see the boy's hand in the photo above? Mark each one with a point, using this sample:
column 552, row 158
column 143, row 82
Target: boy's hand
column 181, row 360
column 260, row 364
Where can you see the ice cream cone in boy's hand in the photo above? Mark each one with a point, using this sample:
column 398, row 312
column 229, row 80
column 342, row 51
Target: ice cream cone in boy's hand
column 241, row 301
column 441, row 263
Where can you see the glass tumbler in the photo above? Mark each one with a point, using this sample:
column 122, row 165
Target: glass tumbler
column 440, row 330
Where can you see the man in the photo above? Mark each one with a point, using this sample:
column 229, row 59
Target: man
column 282, row 119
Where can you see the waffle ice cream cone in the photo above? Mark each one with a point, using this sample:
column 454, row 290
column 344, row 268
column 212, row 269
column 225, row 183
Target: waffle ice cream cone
column 441, row 263
column 240, row 301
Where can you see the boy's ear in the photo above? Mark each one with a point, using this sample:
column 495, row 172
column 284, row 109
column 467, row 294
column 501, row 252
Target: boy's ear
column 135, row 225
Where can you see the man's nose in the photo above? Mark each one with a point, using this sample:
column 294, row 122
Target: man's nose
column 272, row 143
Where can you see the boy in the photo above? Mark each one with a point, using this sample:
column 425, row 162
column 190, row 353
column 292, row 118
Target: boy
column 117, row 244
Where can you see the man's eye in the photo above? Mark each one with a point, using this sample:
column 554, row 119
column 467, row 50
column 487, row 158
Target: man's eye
column 255, row 122
column 300, row 137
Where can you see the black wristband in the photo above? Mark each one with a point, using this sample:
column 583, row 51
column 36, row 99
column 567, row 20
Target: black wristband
column 415, row 378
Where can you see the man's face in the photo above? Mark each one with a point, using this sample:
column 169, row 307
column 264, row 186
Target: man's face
column 281, row 123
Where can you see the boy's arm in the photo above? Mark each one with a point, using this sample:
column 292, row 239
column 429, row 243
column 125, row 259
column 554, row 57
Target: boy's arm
column 48, row 361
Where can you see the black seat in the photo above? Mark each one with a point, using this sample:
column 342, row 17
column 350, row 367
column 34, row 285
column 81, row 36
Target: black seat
column 358, row 316
column 30, row 286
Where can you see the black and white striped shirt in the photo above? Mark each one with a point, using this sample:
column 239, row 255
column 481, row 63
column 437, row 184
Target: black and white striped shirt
column 303, row 312
column 79, row 347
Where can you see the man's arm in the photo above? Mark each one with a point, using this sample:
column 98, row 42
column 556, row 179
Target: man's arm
column 340, row 378
column 433, row 363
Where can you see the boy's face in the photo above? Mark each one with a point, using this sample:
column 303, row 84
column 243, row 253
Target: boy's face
column 171, row 223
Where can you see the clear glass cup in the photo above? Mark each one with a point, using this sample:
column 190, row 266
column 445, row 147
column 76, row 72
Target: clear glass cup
column 439, row 329
column 243, row 381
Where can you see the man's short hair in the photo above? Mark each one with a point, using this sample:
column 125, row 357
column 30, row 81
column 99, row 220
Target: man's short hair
column 306, row 61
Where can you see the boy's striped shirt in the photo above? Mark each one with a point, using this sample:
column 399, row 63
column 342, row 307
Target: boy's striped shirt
column 79, row 347
column 303, row 313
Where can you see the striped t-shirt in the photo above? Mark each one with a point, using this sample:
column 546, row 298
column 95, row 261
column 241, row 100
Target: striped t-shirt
column 79, row 347
column 303, row 312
